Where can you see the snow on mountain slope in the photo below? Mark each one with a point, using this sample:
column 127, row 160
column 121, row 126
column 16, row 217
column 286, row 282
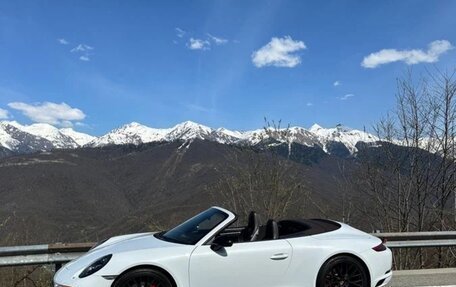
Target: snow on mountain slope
column 15, row 138
column 343, row 135
column 51, row 133
column 6, row 140
column 189, row 130
column 287, row 135
column 80, row 138
column 39, row 137
column 226, row 136
column 133, row 133
column 302, row 136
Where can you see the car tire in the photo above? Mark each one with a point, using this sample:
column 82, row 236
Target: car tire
column 344, row 271
column 143, row 277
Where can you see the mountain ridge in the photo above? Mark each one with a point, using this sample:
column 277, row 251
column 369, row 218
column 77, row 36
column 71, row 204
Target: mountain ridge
column 19, row 139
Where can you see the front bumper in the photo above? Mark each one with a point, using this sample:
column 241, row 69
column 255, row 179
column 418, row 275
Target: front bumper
column 63, row 278
column 90, row 281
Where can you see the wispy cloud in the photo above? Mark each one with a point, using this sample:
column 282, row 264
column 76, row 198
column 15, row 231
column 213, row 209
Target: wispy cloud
column 81, row 48
column 179, row 32
column 63, row 41
column 50, row 113
column 199, row 108
column 309, row 104
column 410, row 57
column 279, row 52
column 84, row 58
column 4, row 114
column 337, row 83
column 346, row 97
column 217, row 40
column 198, row 44
column 84, row 50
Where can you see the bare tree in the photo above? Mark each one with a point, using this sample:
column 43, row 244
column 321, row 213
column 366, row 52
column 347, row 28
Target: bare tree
column 264, row 181
column 411, row 180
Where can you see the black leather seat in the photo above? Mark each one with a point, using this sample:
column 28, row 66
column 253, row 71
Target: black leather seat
column 272, row 230
column 252, row 231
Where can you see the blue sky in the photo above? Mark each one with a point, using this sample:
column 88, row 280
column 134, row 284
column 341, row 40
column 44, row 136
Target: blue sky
column 219, row 63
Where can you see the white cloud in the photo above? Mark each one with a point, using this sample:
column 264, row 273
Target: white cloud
column 279, row 53
column 81, row 48
column 217, row 40
column 50, row 113
column 309, row 104
column 85, row 58
column 63, row 41
column 337, row 83
column 84, row 50
column 410, row 57
column 180, row 33
column 346, row 97
column 4, row 114
column 198, row 44
column 199, row 108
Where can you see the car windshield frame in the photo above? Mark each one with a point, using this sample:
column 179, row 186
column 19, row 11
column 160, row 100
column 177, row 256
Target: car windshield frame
column 190, row 231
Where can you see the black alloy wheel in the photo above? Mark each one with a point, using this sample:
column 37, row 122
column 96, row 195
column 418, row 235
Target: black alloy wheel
column 343, row 271
column 143, row 278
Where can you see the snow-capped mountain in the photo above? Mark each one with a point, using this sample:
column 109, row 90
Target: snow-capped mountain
column 133, row 133
column 226, row 136
column 6, row 140
column 189, row 130
column 15, row 139
column 80, row 138
column 44, row 137
column 39, row 137
column 50, row 133
column 340, row 134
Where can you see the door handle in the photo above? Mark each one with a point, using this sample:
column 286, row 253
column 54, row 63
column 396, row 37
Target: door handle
column 279, row 256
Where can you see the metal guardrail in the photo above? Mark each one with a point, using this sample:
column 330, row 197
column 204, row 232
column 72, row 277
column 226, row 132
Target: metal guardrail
column 424, row 239
column 57, row 254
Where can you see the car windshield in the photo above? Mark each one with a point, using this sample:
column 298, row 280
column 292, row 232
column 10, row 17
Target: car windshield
column 194, row 229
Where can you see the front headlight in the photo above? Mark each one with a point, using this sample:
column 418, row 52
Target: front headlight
column 95, row 266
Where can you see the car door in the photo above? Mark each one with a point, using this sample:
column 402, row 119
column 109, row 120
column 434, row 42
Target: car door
column 262, row 263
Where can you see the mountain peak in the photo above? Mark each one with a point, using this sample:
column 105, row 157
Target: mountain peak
column 189, row 130
column 11, row 123
column 191, row 125
column 315, row 127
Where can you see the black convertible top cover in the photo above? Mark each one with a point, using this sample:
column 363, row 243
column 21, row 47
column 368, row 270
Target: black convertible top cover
column 305, row 227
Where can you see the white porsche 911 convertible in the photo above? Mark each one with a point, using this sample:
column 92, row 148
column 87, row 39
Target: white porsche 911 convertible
column 206, row 251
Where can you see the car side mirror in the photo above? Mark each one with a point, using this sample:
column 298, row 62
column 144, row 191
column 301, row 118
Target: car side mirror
column 220, row 243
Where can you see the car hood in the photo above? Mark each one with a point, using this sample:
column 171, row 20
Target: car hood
column 124, row 238
column 115, row 246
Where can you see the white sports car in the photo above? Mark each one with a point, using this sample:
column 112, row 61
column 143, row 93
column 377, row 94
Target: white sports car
column 206, row 251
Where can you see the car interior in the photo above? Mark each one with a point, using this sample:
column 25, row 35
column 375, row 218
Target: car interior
column 273, row 230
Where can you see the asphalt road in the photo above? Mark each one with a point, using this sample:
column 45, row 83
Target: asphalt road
column 428, row 277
